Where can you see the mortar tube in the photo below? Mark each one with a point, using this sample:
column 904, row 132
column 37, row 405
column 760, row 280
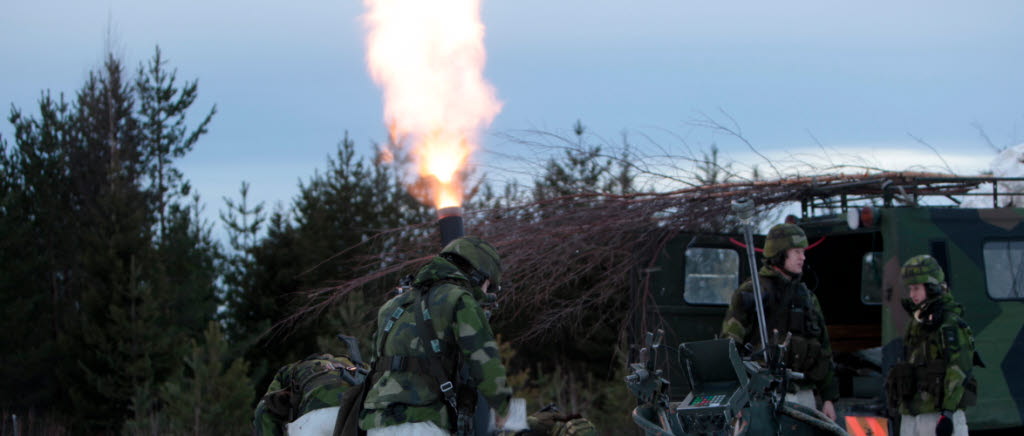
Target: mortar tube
column 450, row 224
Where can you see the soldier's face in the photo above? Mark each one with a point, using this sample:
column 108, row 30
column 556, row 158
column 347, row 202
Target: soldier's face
column 794, row 261
column 917, row 293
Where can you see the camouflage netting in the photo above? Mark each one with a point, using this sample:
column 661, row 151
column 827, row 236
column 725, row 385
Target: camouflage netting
column 573, row 255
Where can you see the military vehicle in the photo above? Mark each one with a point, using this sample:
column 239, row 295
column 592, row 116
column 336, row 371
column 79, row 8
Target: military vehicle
column 860, row 233
column 725, row 394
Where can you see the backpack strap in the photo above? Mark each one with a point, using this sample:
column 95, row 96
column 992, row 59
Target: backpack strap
column 432, row 346
column 389, row 324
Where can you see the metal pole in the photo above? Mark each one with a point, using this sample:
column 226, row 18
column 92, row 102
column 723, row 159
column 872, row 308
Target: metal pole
column 744, row 210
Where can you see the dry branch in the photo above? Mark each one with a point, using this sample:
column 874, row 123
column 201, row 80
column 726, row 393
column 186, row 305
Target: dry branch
column 575, row 255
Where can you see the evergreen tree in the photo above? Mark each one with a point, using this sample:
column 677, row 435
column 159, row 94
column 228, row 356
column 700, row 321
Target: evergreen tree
column 36, row 253
column 206, row 396
column 117, row 334
column 162, row 108
column 310, row 248
column 709, row 171
column 96, row 305
column 583, row 168
column 243, row 222
column 191, row 261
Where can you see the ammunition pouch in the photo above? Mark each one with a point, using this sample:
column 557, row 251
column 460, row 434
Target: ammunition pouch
column 818, row 369
column 899, row 385
column 970, row 397
column 813, row 324
column 805, row 355
column 796, row 354
column 803, row 321
column 931, row 378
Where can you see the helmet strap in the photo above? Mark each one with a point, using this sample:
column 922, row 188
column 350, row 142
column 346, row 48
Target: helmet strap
column 929, row 312
column 476, row 277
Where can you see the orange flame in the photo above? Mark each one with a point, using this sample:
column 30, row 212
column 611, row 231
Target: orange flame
column 428, row 57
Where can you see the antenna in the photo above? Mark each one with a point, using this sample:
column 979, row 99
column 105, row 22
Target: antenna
column 743, row 208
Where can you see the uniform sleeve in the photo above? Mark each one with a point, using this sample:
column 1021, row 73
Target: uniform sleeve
column 828, row 388
column 480, row 352
column 958, row 354
column 266, row 422
column 737, row 319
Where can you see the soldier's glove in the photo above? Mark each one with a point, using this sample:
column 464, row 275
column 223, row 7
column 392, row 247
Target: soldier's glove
column 945, row 425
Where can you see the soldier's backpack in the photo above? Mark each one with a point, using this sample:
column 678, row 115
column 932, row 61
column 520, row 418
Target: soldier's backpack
column 317, row 382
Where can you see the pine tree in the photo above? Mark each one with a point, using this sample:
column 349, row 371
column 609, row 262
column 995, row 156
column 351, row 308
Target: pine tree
column 95, row 305
column 190, row 262
column 163, row 107
column 247, row 314
column 206, row 396
column 309, row 248
column 36, row 252
column 582, row 168
column 117, row 333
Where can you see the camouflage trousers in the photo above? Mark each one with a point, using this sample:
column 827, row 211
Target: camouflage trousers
column 924, row 424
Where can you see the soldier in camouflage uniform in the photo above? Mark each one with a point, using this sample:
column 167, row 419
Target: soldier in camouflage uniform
column 453, row 284
column 313, row 383
column 789, row 308
column 933, row 385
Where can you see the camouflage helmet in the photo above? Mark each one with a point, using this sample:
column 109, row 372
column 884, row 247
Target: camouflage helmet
column 922, row 269
column 483, row 257
column 782, row 237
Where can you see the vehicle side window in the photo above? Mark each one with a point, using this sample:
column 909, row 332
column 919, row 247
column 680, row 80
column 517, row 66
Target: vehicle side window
column 1004, row 269
column 871, row 278
column 711, row 275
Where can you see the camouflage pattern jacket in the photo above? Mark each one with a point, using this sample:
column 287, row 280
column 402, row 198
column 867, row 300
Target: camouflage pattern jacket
column 950, row 343
column 789, row 307
column 402, row 396
column 298, row 388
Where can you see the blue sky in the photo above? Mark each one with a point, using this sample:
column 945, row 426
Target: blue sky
column 801, row 78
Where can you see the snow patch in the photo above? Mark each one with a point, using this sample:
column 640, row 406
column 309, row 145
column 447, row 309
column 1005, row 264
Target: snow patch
column 1009, row 163
column 319, row 422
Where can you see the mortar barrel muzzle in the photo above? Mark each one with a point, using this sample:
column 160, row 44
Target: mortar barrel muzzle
column 449, row 221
